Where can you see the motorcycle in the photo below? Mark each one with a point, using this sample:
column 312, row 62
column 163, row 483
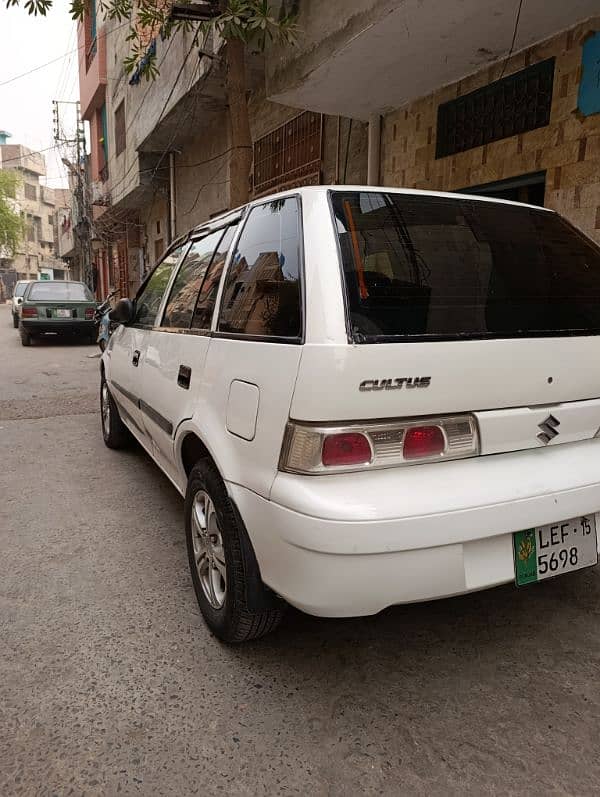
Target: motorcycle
column 105, row 325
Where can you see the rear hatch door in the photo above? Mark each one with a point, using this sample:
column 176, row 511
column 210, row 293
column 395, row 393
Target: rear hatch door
column 457, row 304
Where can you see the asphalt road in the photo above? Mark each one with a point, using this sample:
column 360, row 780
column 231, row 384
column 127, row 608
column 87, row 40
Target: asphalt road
column 110, row 683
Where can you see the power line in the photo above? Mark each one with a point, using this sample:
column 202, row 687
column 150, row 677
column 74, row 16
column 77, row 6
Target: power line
column 134, row 118
column 53, row 61
column 27, row 155
column 514, row 38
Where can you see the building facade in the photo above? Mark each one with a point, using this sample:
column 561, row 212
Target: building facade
column 465, row 96
column 37, row 254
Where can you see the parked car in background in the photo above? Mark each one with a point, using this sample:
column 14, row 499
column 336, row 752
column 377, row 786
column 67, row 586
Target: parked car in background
column 367, row 397
column 17, row 298
column 57, row 307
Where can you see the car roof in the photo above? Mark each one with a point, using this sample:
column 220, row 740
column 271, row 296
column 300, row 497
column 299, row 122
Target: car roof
column 233, row 215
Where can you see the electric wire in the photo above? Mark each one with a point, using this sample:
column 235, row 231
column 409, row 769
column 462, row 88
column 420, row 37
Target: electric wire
column 514, row 38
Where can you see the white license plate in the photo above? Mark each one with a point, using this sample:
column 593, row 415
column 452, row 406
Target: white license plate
column 548, row 551
column 60, row 313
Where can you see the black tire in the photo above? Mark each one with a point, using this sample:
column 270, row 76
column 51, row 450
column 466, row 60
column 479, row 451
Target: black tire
column 249, row 609
column 25, row 337
column 15, row 321
column 114, row 431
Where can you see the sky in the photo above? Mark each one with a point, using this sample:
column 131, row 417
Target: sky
column 26, row 103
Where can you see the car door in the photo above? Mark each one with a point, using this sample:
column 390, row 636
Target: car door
column 127, row 345
column 176, row 349
column 255, row 349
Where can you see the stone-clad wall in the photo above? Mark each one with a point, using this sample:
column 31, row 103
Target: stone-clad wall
column 568, row 149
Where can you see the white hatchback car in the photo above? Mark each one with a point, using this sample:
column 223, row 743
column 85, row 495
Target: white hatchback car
column 367, row 396
column 17, row 300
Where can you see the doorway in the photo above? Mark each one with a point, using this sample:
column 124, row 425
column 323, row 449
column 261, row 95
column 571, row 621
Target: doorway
column 529, row 188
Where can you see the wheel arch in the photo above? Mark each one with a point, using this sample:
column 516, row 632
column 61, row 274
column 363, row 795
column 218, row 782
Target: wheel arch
column 189, row 449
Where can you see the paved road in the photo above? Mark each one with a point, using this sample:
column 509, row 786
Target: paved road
column 110, row 684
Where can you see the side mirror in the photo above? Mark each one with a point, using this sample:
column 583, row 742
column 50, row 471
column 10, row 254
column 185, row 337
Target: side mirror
column 122, row 312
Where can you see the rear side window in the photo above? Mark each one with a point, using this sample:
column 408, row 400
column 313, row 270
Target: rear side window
column 262, row 295
column 149, row 299
column 20, row 288
column 180, row 307
column 427, row 267
column 208, row 292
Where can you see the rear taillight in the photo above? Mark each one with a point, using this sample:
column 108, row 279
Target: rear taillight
column 310, row 449
column 89, row 313
column 347, row 448
column 29, row 312
column 423, row 441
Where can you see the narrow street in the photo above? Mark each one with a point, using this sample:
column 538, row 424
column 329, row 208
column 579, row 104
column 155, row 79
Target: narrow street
column 110, row 682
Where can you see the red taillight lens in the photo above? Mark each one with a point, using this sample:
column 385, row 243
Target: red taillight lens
column 89, row 313
column 346, row 448
column 423, row 441
column 29, row 312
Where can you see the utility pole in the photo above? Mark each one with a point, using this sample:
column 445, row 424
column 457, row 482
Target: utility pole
column 74, row 142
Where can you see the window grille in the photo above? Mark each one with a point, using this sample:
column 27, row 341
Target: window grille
column 289, row 156
column 507, row 107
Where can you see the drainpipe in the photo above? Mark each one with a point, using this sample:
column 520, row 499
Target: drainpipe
column 172, row 217
column 374, row 149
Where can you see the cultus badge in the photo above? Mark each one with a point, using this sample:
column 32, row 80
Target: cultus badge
column 395, row 384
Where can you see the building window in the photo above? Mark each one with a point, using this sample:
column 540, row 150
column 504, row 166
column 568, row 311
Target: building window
column 104, row 145
column 90, row 41
column 30, row 192
column 50, row 220
column 120, row 131
column 290, row 156
column 507, row 107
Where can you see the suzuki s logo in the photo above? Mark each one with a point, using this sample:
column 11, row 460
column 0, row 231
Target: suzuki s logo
column 549, row 429
column 395, row 384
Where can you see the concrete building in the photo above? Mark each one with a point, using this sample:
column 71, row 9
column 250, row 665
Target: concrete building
column 36, row 203
column 477, row 95
column 167, row 146
column 496, row 98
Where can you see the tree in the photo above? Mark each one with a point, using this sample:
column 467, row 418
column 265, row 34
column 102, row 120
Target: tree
column 11, row 225
column 242, row 24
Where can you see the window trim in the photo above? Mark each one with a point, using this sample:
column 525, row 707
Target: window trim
column 297, row 339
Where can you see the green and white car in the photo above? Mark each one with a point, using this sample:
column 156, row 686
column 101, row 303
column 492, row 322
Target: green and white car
column 57, row 307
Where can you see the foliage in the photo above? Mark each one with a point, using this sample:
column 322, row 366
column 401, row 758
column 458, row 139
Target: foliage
column 11, row 225
column 254, row 22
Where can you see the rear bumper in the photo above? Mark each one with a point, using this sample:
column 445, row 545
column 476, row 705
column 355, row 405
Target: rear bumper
column 460, row 540
column 73, row 327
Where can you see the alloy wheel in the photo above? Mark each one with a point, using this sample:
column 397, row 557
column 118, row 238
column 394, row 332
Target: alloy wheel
column 209, row 554
column 105, row 401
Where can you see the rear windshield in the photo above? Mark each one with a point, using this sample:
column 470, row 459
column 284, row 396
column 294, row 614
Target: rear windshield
column 60, row 292
column 436, row 268
column 20, row 288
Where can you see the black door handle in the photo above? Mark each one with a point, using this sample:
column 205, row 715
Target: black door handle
column 184, row 377
column 136, row 358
